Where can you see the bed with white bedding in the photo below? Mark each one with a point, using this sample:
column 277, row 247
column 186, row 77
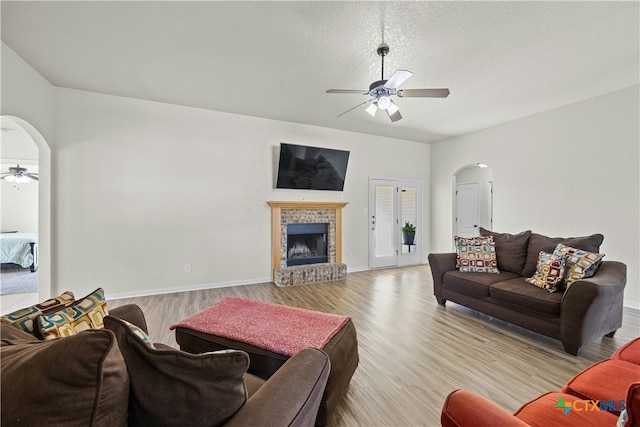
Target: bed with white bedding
column 20, row 249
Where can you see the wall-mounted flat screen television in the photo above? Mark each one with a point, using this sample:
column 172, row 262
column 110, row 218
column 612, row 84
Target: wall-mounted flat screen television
column 311, row 168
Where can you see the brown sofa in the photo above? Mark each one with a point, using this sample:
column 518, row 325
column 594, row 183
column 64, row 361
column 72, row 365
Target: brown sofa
column 107, row 377
column 585, row 311
column 595, row 397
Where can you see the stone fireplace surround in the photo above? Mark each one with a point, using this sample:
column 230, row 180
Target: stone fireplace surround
column 283, row 213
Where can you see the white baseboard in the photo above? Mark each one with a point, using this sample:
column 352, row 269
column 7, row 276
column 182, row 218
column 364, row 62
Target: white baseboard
column 185, row 288
column 198, row 287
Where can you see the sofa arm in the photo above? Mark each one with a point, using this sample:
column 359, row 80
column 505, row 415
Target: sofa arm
column 132, row 314
column 464, row 408
column 440, row 264
column 592, row 307
column 291, row 397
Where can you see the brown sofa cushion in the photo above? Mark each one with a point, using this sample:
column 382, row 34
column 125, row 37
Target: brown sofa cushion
column 173, row 388
column 538, row 242
column 76, row 381
column 511, row 249
column 517, row 292
column 473, row 284
column 13, row 334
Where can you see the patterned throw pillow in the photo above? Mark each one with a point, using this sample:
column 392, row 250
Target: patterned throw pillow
column 476, row 255
column 24, row 317
column 85, row 313
column 139, row 333
column 549, row 272
column 580, row 264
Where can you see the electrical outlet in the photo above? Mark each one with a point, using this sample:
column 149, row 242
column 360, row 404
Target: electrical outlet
column 187, row 268
column 349, row 254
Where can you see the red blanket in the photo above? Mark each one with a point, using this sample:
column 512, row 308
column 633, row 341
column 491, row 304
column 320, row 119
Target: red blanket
column 274, row 327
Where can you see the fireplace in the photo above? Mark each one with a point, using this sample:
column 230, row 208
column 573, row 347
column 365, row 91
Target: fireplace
column 307, row 243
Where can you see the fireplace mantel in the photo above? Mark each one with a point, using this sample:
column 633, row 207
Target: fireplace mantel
column 277, row 228
column 307, row 205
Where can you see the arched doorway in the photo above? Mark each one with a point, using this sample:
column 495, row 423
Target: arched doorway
column 31, row 135
column 472, row 199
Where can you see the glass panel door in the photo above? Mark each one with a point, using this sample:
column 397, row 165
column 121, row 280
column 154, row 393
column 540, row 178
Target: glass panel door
column 409, row 206
column 411, row 230
column 384, row 234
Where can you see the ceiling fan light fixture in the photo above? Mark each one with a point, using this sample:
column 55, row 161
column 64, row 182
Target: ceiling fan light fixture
column 17, row 179
column 371, row 109
column 384, row 102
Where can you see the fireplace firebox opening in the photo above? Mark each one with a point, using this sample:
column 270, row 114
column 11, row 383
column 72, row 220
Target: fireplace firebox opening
column 307, row 243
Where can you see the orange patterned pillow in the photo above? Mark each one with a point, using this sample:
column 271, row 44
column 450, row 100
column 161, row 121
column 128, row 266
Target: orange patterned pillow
column 85, row 313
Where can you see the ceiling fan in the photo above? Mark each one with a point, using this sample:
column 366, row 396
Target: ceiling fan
column 382, row 90
column 19, row 175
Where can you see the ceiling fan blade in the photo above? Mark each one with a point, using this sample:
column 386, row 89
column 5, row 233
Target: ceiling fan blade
column 353, row 108
column 423, row 93
column 395, row 116
column 360, row 92
column 32, row 176
column 5, row 175
column 398, row 78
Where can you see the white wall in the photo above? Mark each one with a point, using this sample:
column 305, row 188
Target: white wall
column 144, row 188
column 571, row 171
column 26, row 94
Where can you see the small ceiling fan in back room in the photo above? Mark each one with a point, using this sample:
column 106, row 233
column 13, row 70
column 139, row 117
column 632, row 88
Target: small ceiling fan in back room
column 382, row 90
column 19, row 175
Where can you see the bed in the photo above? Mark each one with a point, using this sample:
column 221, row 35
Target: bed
column 20, row 249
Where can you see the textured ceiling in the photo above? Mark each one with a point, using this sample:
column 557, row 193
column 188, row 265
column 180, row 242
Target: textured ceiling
column 501, row 60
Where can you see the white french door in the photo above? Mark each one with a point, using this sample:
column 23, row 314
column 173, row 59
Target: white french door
column 392, row 203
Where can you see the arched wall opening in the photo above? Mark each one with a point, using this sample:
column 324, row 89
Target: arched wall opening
column 44, row 201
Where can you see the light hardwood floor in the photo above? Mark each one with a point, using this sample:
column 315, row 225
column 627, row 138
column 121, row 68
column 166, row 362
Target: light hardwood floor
column 413, row 352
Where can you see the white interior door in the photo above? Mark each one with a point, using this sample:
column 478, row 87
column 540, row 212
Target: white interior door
column 467, row 209
column 392, row 203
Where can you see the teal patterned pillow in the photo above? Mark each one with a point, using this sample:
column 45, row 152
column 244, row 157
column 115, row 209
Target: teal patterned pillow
column 550, row 272
column 83, row 314
column 139, row 333
column 25, row 317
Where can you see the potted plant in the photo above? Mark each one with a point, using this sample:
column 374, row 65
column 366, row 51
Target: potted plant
column 408, row 233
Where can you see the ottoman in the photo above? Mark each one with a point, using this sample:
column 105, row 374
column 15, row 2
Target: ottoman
column 194, row 335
